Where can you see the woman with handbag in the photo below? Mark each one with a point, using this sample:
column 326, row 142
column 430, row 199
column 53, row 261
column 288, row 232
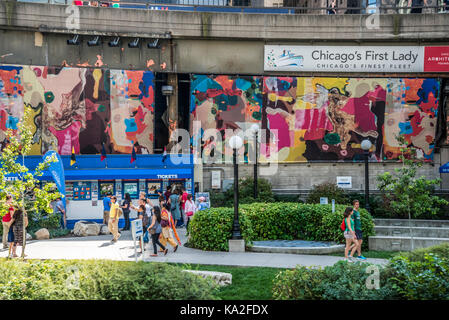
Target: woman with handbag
column 166, row 225
column 155, row 230
column 190, row 209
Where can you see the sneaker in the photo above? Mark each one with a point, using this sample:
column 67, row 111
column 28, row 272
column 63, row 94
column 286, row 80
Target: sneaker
column 361, row 258
column 350, row 259
column 176, row 248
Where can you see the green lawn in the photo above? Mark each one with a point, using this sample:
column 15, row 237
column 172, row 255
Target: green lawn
column 248, row 283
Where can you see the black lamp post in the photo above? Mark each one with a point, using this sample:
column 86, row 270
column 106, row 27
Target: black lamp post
column 255, row 130
column 236, row 143
column 366, row 145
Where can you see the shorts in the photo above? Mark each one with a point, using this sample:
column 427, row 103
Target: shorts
column 348, row 235
column 359, row 234
column 10, row 236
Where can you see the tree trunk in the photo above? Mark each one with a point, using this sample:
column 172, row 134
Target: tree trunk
column 24, row 229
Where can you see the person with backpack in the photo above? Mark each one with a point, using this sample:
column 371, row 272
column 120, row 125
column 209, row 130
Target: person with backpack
column 155, row 231
column 358, row 229
column 349, row 234
column 167, row 225
column 114, row 216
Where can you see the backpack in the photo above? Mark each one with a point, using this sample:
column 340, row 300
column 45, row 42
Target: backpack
column 119, row 212
column 343, row 225
column 145, row 219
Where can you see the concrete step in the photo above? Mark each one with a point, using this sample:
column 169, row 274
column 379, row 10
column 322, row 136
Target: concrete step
column 414, row 223
column 391, row 243
column 299, row 250
column 400, row 231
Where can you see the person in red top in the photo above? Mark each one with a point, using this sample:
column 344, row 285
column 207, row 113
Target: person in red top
column 183, row 205
column 6, row 221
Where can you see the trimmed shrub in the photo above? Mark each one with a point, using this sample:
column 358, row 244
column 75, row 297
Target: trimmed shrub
column 442, row 250
column 211, row 229
column 99, row 280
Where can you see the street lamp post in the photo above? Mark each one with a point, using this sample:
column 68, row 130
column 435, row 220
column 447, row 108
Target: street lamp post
column 255, row 130
column 236, row 143
column 366, row 146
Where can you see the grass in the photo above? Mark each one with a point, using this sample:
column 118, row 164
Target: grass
column 248, row 283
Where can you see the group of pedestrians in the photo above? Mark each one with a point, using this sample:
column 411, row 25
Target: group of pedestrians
column 13, row 223
column 353, row 232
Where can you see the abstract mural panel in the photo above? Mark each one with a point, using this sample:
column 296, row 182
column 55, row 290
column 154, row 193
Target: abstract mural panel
column 80, row 108
column 324, row 119
column 132, row 111
column 225, row 103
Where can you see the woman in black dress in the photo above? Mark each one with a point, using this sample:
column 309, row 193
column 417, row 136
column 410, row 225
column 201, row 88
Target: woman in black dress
column 18, row 220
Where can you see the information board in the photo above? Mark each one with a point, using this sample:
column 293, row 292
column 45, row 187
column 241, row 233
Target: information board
column 82, row 191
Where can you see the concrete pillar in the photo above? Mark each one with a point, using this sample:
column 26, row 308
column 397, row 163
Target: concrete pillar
column 172, row 80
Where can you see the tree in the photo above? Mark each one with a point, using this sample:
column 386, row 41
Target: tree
column 406, row 194
column 25, row 189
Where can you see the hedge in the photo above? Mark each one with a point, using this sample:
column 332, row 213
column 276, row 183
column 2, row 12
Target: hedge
column 99, row 280
column 211, row 229
column 417, row 275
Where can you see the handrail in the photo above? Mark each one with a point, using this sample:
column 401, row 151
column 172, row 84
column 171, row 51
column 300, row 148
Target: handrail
column 160, row 5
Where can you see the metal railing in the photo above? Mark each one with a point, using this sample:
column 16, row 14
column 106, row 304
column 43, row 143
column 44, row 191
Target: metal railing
column 226, row 6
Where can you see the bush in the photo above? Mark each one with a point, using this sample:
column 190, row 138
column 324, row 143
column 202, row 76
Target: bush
column 328, row 190
column 99, row 280
column 421, row 280
column 342, row 281
column 211, row 229
column 246, row 193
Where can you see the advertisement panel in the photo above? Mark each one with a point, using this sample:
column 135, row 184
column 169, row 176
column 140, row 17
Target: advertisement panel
column 356, row 58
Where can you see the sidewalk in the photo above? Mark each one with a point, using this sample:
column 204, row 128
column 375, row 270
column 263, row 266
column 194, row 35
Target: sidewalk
column 100, row 247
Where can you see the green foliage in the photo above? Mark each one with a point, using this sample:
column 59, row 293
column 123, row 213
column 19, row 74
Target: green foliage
column 287, row 198
column 420, row 274
column 421, row 280
column 246, row 193
column 405, row 194
column 342, row 281
column 38, row 220
column 99, row 280
column 328, row 190
column 211, row 229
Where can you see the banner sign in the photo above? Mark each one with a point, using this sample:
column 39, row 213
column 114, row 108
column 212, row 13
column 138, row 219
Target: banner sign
column 57, row 171
column 391, row 59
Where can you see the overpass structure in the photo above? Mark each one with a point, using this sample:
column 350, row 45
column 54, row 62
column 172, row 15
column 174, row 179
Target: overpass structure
column 179, row 45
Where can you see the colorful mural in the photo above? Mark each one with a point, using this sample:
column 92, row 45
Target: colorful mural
column 80, row 108
column 323, row 119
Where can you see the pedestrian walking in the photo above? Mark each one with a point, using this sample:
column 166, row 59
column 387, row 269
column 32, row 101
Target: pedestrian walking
column 126, row 210
column 167, row 225
column 6, row 221
column 332, row 7
column 114, row 216
column 184, row 195
column 358, row 229
column 174, row 202
column 417, row 5
column 349, row 234
column 19, row 219
column 190, row 209
column 106, row 208
column 155, row 230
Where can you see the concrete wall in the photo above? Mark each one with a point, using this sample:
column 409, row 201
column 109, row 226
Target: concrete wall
column 299, row 177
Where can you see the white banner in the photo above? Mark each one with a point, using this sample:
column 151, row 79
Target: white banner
column 390, row 59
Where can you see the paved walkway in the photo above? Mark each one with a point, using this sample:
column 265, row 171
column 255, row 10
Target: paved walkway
column 100, row 247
